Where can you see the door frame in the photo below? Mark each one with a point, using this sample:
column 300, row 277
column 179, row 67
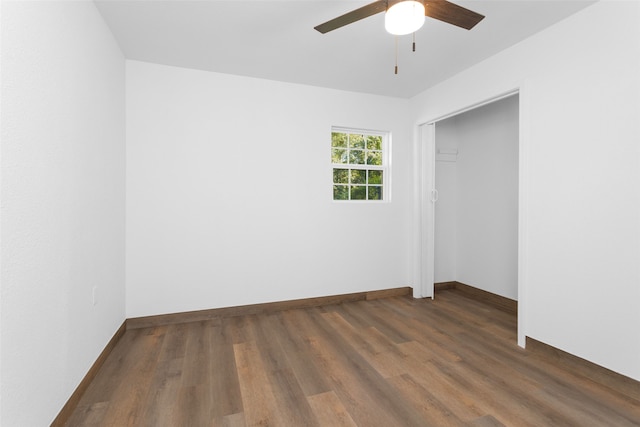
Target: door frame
column 424, row 218
column 424, row 212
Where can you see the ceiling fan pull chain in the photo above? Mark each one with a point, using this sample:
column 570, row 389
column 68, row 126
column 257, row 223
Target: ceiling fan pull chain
column 396, row 37
column 414, row 41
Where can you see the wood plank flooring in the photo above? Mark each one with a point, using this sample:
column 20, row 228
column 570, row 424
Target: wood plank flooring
column 388, row 362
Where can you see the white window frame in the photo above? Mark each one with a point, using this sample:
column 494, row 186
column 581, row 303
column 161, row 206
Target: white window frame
column 385, row 167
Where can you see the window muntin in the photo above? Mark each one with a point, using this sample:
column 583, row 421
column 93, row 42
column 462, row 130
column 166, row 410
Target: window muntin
column 359, row 164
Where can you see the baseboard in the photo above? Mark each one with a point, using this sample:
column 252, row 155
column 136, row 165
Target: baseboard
column 606, row 377
column 72, row 403
column 270, row 307
column 388, row 293
column 443, row 286
column 497, row 301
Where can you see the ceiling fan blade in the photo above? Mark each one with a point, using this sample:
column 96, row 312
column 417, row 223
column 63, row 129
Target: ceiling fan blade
column 451, row 13
column 353, row 16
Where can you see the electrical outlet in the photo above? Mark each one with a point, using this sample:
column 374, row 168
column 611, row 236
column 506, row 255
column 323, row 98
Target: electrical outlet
column 94, row 295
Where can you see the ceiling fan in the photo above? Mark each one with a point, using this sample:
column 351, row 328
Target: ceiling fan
column 407, row 16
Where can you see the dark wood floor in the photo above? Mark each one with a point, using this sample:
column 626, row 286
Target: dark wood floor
column 387, row 362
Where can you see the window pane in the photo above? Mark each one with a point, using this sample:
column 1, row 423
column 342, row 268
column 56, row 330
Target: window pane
column 375, row 177
column 358, row 176
column 359, row 163
column 358, row 192
column 356, row 157
column 340, row 192
column 375, row 193
column 356, row 141
column 374, row 158
column 338, row 139
column 374, row 142
column 338, row 155
column 341, row 176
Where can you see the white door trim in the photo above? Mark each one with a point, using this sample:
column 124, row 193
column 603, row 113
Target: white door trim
column 423, row 219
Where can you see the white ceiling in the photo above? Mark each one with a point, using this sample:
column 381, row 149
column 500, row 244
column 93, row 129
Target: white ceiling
column 275, row 40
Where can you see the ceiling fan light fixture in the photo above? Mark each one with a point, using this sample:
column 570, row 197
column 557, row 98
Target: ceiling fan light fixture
column 404, row 17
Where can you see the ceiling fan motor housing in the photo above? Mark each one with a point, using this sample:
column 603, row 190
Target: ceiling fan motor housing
column 404, row 17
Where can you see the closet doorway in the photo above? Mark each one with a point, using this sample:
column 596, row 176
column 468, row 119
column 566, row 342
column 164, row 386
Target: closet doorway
column 476, row 214
column 471, row 185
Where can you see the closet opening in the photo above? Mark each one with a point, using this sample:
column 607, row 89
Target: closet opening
column 470, row 206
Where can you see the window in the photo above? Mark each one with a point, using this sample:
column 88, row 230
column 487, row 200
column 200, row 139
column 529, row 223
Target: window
column 359, row 162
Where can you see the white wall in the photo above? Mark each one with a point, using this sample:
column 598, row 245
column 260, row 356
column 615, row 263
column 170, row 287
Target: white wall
column 478, row 205
column 62, row 202
column 1, row 135
column 229, row 198
column 581, row 129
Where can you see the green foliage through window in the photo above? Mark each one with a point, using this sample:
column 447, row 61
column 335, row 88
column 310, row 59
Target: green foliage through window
column 358, row 160
column 350, row 148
